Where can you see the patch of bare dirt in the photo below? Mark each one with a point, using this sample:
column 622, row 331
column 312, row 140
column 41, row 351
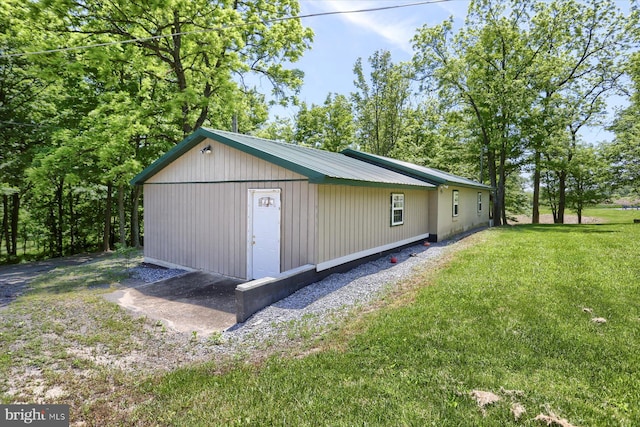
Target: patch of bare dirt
column 517, row 410
column 553, row 420
column 484, row 398
column 594, row 319
column 75, row 348
column 548, row 219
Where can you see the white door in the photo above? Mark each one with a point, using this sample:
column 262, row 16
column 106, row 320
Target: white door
column 263, row 227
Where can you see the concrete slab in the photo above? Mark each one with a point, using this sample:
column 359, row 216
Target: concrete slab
column 197, row 301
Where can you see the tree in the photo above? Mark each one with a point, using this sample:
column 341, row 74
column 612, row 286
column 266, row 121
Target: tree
column 328, row 126
column 27, row 87
column 623, row 153
column 585, row 186
column 480, row 73
column 162, row 69
column 380, row 103
column 583, row 46
column 526, row 73
column 199, row 48
column 436, row 138
column 309, row 128
column 280, row 129
column 339, row 129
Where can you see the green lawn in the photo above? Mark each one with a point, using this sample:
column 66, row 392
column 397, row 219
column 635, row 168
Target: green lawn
column 511, row 314
column 613, row 215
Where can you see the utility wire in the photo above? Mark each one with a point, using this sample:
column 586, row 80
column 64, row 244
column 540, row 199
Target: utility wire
column 226, row 27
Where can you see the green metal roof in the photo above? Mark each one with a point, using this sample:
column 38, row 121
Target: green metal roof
column 430, row 175
column 320, row 167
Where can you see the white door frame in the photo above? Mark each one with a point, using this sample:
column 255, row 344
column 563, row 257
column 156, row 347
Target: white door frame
column 250, row 220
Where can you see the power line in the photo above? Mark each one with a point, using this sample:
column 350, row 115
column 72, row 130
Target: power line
column 225, row 27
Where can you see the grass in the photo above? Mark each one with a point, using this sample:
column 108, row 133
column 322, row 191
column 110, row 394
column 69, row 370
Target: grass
column 61, row 333
column 512, row 315
column 613, row 215
column 606, row 213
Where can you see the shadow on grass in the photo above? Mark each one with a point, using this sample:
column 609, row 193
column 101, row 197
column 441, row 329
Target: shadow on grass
column 565, row 228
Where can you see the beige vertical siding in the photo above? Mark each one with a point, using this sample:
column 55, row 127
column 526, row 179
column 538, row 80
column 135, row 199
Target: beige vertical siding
column 355, row 219
column 193, row 218
column 196, row 213
column 223, row 164
column 204, row 226
column 468, row 215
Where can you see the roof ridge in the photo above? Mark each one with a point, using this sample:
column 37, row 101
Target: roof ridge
column 319, row 166
column 271, row 141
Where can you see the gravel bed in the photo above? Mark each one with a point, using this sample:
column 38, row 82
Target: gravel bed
column 312, row 309
column 317, row 306
column 149, row 273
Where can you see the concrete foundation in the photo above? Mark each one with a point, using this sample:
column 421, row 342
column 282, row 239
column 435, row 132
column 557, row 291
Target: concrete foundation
column 255, row 295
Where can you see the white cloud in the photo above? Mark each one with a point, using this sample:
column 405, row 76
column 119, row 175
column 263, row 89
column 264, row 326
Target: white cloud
column 397, row 26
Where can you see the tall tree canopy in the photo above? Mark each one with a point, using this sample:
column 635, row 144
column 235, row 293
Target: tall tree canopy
column 126, row 80
column 202, row 51
column 527, row 75
column 624, row 151
column 329, row 126
column 380, row 103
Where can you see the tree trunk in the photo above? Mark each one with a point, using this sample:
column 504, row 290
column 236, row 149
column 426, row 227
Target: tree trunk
column 15, row 214
column 535, row 214
column 107, row 220
column 53, row 228
column 551, row 196
column 135, row 219
column 562, row 196
column 5, row 223
column 72, row 223
column 491, row 166
column 579, row 212
column 60, row 203
column 502, row 178
column 121, row 216
column 562, row 181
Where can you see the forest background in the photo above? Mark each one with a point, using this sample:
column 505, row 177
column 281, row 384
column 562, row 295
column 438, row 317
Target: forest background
column 92, row 92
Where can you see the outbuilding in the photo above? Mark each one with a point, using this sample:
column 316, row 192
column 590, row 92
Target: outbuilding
column 248, row 207
column 252, row 208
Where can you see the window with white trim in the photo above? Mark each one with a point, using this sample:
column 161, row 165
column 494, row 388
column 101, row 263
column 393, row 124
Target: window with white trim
column 456, row 202
column 397, row 209
column 479, row 202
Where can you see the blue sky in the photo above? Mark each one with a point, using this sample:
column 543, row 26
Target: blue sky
column 341, row 39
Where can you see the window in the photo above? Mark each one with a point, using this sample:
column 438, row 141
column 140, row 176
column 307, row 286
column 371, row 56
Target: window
column 456, row 202
column 397, row 209
column 479, row 202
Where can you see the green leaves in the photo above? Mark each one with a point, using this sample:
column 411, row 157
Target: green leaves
column 381, row 103
column 137, row 78
column 329, row 127
column 526, row 78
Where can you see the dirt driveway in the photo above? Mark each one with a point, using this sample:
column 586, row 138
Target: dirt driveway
column 200, row 302
column 14, row 279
